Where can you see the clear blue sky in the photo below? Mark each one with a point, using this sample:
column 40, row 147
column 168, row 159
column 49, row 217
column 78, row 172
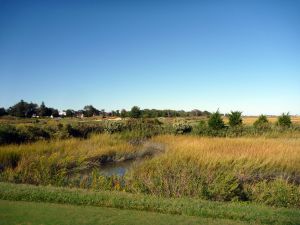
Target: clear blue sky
column 232, row 55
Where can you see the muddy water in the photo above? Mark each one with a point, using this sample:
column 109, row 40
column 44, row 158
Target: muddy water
column 111, row 168
column 117, row 168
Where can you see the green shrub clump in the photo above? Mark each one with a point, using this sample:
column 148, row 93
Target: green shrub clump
column 277, row 192
column 33, row 133
column 284, row 120
column 9, row 134
column 215, row 121
column 113, row 126
column 182, row 127
column 184, row 177
column 262, row 123
column 235, row 119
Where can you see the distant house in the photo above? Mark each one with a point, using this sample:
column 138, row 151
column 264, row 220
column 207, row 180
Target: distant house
column 79, row 114
column 115, row 119
column 62, row 113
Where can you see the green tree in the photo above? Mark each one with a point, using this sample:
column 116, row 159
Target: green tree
column 70, row 113
column 54, row 112
column 103, row 113
column 235, row 118
column 18, row 109
column 135, row 112
column 123, row 113
column 31, row 109
column 284, row 120
column 44, row 111
column 2, row 111
column 215, row 121
column 90, row 110
column 262, row 122
column 195, row 112
column 23, row 109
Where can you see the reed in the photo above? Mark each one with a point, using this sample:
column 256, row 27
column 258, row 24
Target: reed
column 224, row 169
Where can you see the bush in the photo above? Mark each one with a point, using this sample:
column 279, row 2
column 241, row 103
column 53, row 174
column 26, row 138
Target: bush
column 284, row 120
column 135, row 112
column 182, row 127
column 215, row 121
column 83, row 130
column 3, row 112
column 201, row 128
column 183, row 176
column 113, row 126
column 276, row 193
column 162, row 177
column 9, row 159
column 235, row 118
column 33, row 133
column 225, row 186
column 9, row 134
column 262, row 123
column 143, row 128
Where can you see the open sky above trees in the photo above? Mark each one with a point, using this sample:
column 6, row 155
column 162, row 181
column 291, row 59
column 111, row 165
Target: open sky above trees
column 231, row 55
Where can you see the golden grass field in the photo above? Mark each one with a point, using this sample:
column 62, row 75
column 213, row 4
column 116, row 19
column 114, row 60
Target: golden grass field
column 251, row 119
column 67, row 151
column 258, row 169
column 283, row 153
column 222, row 169
column 271, row 152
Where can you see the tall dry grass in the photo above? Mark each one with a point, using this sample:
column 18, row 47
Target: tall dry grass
column 226, row 169
column 280, row 153
column 249, row 120
column 259, row 169
column 53, row 162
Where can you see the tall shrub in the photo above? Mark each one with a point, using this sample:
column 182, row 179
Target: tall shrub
column 215, row 121
column 235, row 118
column 182, row 127
column 284, row 120
column 135, row 112
column 262, row 123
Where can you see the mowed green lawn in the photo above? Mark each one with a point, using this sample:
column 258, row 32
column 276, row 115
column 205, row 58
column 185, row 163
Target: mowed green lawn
column 29, row 204
column 18, row 212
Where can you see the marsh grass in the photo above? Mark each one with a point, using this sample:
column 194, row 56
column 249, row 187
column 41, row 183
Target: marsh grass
column 264, row 170
column 282, row 153
column 223, row 169
column 47, row 162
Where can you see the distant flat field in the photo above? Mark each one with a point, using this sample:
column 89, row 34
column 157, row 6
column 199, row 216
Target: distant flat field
column 33, row 213
column 272, row 119
column 249, row 120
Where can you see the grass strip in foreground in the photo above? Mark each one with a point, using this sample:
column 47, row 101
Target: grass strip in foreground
column 36, row 213
column 251, row 213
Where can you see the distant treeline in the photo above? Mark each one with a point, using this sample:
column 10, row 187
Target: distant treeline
column 24, row 109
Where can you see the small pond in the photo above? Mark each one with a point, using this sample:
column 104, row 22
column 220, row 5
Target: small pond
column 119, row 168
column 116, row 168
column 111, row 168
